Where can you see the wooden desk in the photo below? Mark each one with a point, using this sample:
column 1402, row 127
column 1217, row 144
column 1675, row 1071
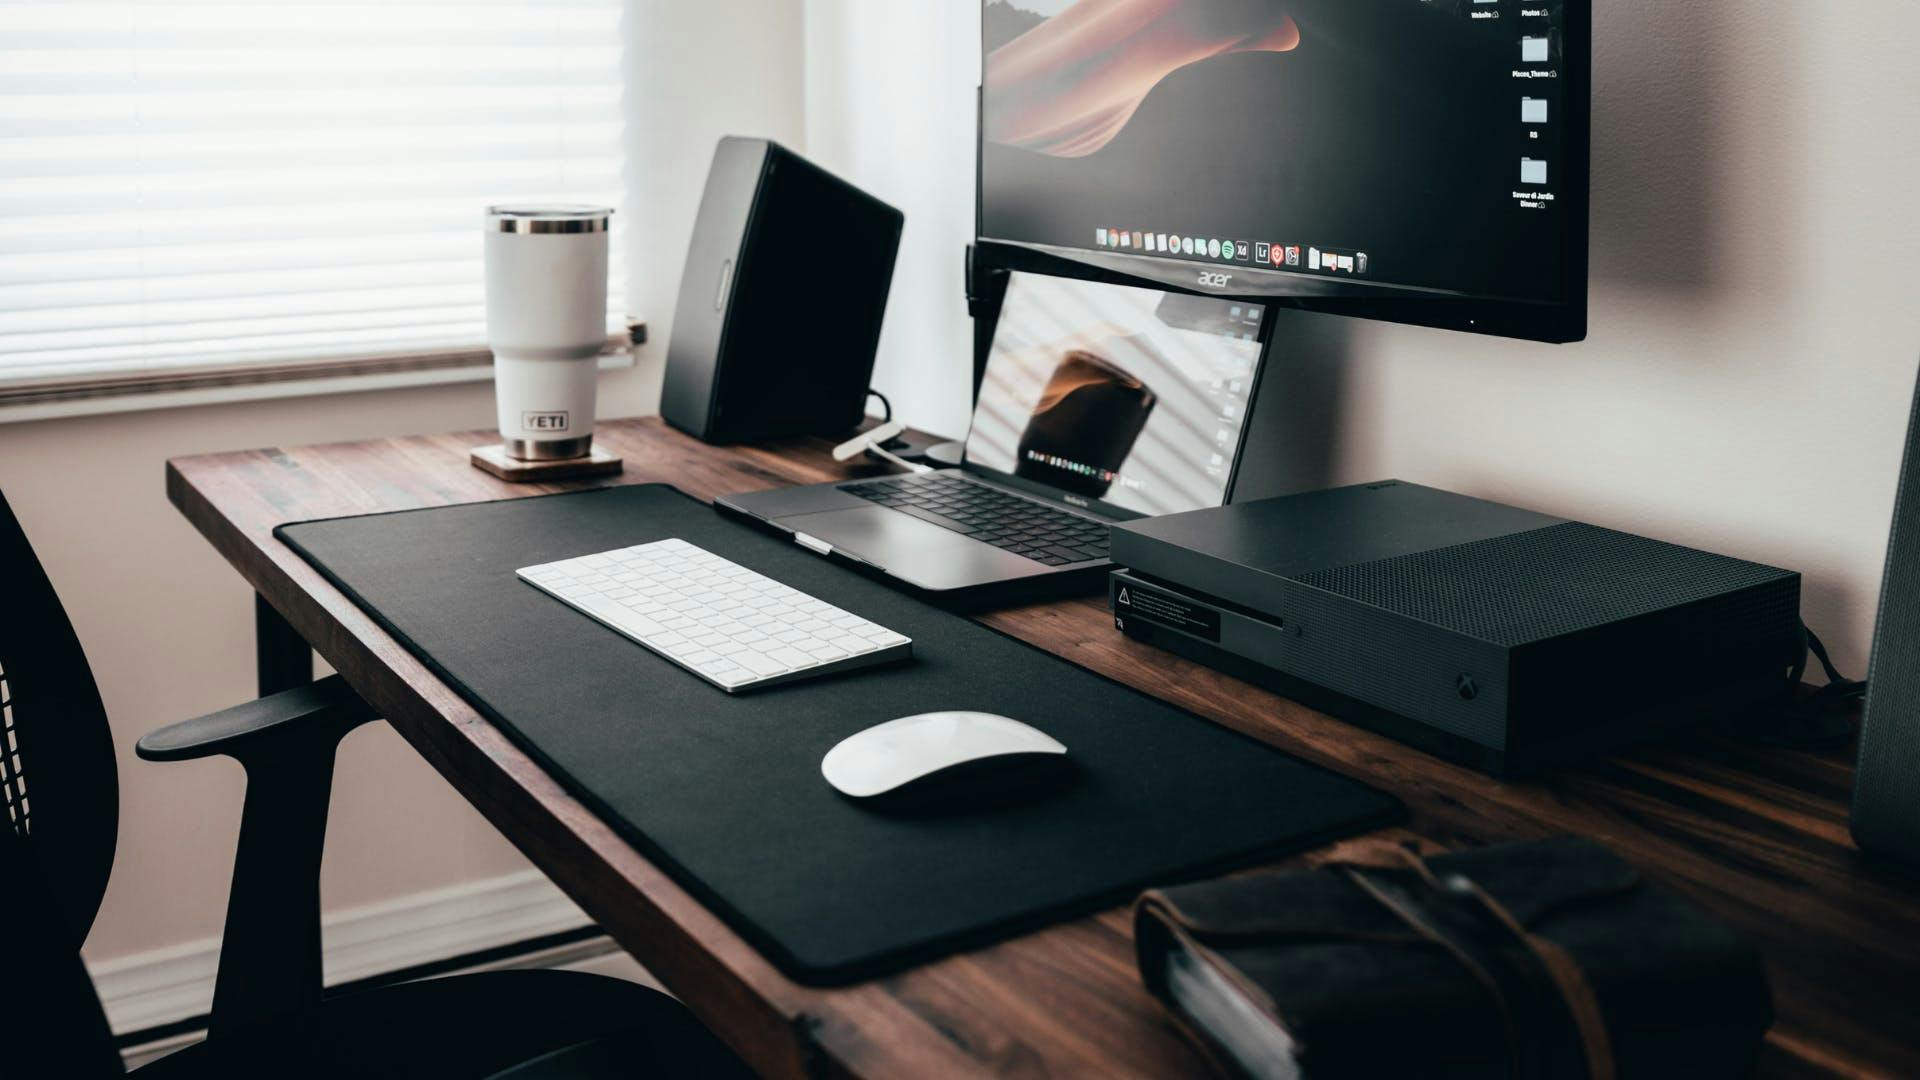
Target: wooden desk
column 1757, row 835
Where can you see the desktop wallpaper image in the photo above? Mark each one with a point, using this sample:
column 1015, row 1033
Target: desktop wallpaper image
column 1068, row 84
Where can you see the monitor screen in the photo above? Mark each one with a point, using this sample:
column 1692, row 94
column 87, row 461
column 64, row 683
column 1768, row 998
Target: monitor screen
column 1410, row 151
column 1127, row 397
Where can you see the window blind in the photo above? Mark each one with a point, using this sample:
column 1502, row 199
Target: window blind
column 228, row 187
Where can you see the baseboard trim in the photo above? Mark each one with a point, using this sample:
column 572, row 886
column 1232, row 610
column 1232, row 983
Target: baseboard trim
column 164, row 987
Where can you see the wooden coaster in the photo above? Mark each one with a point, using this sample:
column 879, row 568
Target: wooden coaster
column 494, row 459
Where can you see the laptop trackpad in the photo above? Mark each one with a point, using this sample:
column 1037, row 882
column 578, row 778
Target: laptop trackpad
column 916, row 551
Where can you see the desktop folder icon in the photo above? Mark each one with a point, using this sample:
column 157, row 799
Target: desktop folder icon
column 1533, row 110
column 1533, row 50
column 1533, row 171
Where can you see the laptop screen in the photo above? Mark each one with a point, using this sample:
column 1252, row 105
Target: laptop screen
column 1134, row 398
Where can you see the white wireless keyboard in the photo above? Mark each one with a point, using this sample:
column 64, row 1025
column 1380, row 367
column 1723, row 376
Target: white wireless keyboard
column 723, row 622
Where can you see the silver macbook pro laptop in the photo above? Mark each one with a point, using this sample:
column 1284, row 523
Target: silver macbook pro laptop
column 1100, row 403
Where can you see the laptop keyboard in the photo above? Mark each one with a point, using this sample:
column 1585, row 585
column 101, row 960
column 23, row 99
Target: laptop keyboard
column 1041, row 533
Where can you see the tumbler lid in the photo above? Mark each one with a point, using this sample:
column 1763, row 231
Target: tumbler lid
column 548, row 218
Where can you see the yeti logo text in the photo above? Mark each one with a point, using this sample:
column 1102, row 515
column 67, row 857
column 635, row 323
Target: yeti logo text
column 543, row 421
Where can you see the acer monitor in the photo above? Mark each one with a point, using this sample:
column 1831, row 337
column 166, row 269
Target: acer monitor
column 1418, row 161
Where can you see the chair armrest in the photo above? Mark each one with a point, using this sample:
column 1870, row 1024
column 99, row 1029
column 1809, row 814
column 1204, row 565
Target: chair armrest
column 260, row 723
column 270, row 949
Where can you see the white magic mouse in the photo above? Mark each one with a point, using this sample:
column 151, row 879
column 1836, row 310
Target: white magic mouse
column 952, row 752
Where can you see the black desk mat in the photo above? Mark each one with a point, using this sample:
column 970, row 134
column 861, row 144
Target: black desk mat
column 725, row 791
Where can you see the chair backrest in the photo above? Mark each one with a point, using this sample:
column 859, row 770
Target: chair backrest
column 61, row 789
column 61, row 799
column 51, row 1023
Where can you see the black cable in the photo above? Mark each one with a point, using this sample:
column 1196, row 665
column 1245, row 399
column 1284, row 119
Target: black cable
column 884, row 403
column 1825, row 717
column 1826, row 662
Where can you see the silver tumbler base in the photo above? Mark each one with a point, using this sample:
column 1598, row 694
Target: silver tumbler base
column 549, row 449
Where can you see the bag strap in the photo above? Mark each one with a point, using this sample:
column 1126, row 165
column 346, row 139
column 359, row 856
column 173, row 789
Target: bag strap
column 1423, row 911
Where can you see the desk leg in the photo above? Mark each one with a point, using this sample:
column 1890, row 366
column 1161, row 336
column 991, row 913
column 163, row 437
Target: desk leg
column 282, row 656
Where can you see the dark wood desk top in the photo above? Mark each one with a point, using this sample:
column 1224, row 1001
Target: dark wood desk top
column 1757, row 835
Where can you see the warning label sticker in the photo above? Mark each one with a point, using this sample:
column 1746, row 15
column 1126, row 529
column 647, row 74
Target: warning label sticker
column 1133, row 600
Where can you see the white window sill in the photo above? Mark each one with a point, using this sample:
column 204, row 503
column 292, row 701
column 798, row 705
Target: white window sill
column 254, row 386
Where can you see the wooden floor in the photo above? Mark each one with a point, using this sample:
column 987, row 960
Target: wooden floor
column 1757, row 835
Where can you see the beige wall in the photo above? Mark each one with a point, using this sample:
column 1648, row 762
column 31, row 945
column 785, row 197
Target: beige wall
column 890, row 106
column 700, row 70
column 1755, row 299
column 168, row 626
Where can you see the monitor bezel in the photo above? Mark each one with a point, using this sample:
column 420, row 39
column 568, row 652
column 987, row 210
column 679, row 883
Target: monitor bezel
column 1552, row 322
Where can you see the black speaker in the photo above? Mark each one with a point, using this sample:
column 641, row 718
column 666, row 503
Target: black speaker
column 781, row 300
column 1886, row 791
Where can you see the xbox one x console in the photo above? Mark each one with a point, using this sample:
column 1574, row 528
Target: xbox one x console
column 1491, row 635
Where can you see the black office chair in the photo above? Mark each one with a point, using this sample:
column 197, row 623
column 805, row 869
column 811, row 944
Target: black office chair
column 270, row 1015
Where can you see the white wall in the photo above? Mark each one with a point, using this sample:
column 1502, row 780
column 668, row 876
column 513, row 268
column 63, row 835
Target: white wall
column 700, row 71
column 1755, row 300
column 168, row 625
column 890, row 106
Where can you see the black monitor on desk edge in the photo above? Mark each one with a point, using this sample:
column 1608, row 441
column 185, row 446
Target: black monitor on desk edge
column 1416, row 161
